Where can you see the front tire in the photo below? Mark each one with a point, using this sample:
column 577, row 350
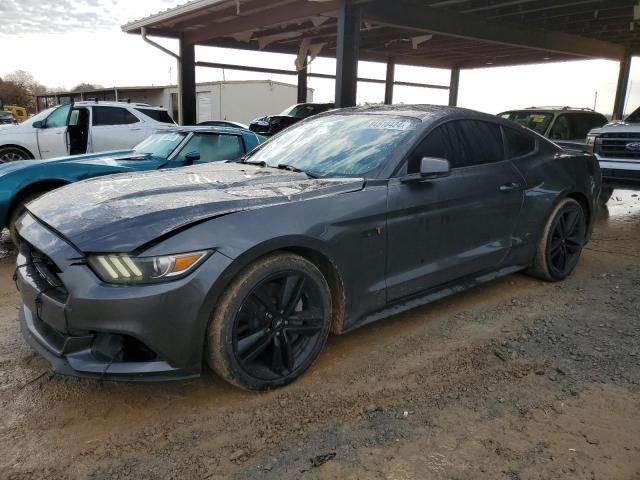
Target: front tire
column 271, row 323
column 562, row 241
column 13, row 154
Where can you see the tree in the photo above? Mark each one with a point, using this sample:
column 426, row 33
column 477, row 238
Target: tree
column 85, row 87
column 20, row 88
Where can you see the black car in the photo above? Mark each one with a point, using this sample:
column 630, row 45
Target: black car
column 341, row 220
column 270, row 125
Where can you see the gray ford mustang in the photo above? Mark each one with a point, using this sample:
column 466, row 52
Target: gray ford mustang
column 341, row 220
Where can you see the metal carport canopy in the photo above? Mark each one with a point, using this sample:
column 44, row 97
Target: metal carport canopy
column 454, row 34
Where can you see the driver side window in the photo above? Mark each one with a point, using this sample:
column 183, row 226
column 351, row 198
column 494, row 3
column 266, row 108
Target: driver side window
column 436, row 144
column 58, row 118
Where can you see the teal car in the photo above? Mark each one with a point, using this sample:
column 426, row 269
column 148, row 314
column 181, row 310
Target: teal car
column 23, row 181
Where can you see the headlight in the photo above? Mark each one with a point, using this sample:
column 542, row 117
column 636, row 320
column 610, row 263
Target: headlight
column 591, row 142
column 125, row 269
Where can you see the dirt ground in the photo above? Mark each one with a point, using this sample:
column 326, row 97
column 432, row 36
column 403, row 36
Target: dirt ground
column 514, row 380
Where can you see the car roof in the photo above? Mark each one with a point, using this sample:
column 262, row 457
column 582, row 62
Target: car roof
column 425, row 113
column 84, row 103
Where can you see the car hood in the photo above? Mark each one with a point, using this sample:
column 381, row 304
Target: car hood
column 618, row 126
column 124, row 212
column 105, row 158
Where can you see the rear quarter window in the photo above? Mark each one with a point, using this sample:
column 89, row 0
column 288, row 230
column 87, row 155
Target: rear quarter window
column 161, row 116
column 518, row 144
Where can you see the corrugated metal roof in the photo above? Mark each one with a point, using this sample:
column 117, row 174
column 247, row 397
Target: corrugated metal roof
column 172, row 13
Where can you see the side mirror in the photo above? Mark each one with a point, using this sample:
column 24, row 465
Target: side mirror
column 431, row 167
column 192, row 157
column 38, row 124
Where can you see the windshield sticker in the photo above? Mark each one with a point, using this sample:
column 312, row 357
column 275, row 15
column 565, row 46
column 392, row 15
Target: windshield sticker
column 537, row 118
column 390, row 124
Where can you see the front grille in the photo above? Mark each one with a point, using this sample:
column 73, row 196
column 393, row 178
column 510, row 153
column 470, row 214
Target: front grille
column 46, row 274
column 616, row 145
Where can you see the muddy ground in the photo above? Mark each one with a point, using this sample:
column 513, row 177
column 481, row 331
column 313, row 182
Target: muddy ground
column 514, row 380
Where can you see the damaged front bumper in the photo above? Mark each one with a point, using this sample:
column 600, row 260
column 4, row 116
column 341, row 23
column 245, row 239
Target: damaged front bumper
column 87, row 328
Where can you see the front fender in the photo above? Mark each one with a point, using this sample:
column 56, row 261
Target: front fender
column 346, row 229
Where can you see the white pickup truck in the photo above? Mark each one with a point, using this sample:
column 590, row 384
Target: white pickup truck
column 617, row 146
column 81, row 127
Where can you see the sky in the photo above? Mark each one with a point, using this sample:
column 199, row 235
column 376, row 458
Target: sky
column 66, row 42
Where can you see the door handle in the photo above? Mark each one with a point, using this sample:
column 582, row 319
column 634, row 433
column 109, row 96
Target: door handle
column 510, row 187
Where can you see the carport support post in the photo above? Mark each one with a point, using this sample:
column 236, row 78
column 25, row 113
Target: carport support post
column 187, row 83
column 391, row 78
column 454, row 84
column 349, row 20
column 302, row 84
column 623, row 85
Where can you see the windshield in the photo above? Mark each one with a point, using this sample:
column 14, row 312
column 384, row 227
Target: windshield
column 536, row 121
column 160, row 144
column 40, row 116
column 337, row 145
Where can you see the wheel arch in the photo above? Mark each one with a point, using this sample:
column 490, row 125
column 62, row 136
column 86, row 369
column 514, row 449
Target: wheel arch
column 310, row 249
column 582, row 199
column 19, row 147
column 33, row 188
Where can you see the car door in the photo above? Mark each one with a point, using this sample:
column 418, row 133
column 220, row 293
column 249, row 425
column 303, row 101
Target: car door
column 115, row 128
column 212, row 147
column 445, row 229
column 52, row 134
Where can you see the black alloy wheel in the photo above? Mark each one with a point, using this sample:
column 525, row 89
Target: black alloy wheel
column 562, row 242
column 566, row 240
column 278, row 325
column 271, row 324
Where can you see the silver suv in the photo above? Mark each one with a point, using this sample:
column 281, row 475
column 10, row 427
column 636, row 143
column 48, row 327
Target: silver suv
column 617, row 146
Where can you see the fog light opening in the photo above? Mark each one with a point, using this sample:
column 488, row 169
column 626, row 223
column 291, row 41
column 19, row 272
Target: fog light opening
column 113, row 348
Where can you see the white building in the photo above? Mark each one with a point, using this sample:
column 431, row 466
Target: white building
column 239, row 101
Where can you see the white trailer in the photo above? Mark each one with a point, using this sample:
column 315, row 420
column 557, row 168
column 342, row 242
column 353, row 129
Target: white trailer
column 238, row 101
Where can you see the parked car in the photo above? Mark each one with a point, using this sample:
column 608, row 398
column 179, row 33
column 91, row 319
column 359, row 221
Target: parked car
column 222, row 123
column 617, row 147
column 341, row 220
column 81, row 127
column 24, row 181
column 6, row 118
column 566, row 126
column 270, row 125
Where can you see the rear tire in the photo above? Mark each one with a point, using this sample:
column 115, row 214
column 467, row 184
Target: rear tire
column 562, row 241
column 271, row 323
column 13, row 154
column 16, row 213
